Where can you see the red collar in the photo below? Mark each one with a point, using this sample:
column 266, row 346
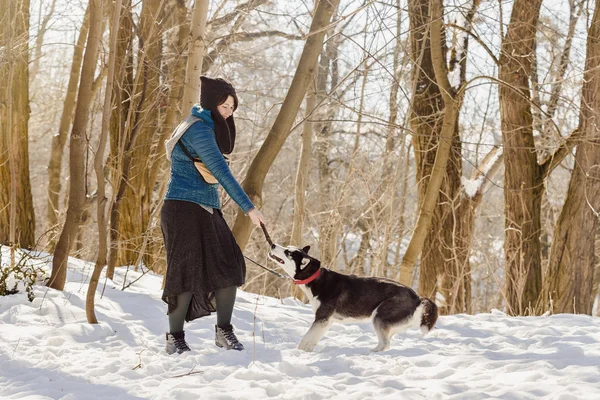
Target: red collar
column 309, row 279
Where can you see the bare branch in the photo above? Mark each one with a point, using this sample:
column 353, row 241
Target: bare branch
column 242, row 8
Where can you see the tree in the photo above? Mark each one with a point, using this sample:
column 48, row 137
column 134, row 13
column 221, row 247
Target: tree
column 544, row 121
column 130, row 208
column 60, row 138
column 78, row 145
column 435, row 109
column 456, row 285
column 568, row 282
column 327, row 71
column 302, row 175
column 281, row 127
column 175, row 60
column 101, row 259
column 196, row 49
column 17, row 217
column 523, row 184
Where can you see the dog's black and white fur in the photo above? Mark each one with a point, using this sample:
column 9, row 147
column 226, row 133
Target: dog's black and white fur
column 336, row 297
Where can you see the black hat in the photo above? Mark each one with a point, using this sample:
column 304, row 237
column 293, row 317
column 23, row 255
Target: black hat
column 214, row 92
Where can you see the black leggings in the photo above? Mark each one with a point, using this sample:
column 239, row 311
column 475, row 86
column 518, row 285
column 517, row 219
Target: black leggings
column 225, row 300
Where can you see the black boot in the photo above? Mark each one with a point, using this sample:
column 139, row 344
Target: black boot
column 224, row 337
column 176, row 343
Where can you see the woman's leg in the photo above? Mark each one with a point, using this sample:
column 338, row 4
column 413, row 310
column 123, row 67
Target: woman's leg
column 224, row 336
column 177, row 317
column 225, row 300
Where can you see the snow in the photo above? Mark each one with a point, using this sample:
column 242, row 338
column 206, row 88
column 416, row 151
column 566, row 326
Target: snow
column 473, row 185
column 49, row 351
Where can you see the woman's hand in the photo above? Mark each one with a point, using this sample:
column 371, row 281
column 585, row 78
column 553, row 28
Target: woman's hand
column 256, row 217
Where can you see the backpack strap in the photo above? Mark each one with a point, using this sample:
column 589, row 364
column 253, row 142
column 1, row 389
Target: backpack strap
column 178, row 132
column 187, row 153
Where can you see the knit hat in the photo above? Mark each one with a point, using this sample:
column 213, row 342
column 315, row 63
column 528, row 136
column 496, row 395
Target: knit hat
column 214, row 92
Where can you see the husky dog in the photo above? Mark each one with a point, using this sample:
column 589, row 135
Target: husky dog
column 391, row 306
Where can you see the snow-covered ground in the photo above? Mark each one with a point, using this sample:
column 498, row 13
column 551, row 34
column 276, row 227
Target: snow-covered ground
column 49, row 351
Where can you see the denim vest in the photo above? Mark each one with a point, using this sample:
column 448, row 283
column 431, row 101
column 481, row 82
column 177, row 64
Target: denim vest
column 185, row 182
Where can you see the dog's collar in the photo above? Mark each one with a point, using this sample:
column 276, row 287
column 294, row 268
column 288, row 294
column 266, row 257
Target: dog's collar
column 309, row 279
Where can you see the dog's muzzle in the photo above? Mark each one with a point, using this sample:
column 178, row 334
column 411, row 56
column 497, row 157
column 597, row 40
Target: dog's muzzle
column 275, row 258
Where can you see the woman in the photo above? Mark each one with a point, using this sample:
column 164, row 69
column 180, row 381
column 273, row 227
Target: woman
column 204, row 263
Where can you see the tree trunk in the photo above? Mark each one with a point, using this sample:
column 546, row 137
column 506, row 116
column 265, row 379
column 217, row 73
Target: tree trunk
column 389, row 177
column 99, row 169
column 120, row 130
column 176, row 46
column 457, row 282
column 437, row 147
column 131, row 208
column 459, row 210
column 425, row 121
column 302, row 176
column 596, row 283
column 303, row 168
column 17, row 217
column 568, row 284
column 282, row 125
column 78, row 145
column 545, row 125
column 196, row 50
column 523, row 184
column 59, row 140
column 328, row 222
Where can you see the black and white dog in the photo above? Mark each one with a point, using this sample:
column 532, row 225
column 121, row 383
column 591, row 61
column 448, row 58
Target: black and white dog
column 336, row 297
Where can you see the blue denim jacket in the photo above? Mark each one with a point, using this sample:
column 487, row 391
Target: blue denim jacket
column 186, row 183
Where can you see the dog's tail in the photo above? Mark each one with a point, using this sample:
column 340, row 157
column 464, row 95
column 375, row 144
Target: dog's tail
column 429, row 316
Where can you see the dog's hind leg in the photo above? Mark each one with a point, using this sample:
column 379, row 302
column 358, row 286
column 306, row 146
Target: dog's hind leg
column 384, row 334
column 392, row 316
column 315, row 333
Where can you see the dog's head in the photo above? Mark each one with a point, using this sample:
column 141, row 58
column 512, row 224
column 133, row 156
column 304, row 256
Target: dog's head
column 294, row 261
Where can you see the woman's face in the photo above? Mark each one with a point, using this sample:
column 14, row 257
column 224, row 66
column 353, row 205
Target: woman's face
column 226, row 108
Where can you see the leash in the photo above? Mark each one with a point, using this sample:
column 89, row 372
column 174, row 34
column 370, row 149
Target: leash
column 264, row 229
column 268, row 269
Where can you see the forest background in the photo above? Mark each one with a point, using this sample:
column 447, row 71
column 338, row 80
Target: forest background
column 448, row 144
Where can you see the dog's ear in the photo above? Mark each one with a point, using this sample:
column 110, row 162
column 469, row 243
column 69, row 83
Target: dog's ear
column 306, row 249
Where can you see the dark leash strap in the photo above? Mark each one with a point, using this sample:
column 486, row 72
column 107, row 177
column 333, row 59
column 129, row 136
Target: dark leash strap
column 268, row 269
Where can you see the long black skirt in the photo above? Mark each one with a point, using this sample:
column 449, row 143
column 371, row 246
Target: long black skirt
column 202, row 256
